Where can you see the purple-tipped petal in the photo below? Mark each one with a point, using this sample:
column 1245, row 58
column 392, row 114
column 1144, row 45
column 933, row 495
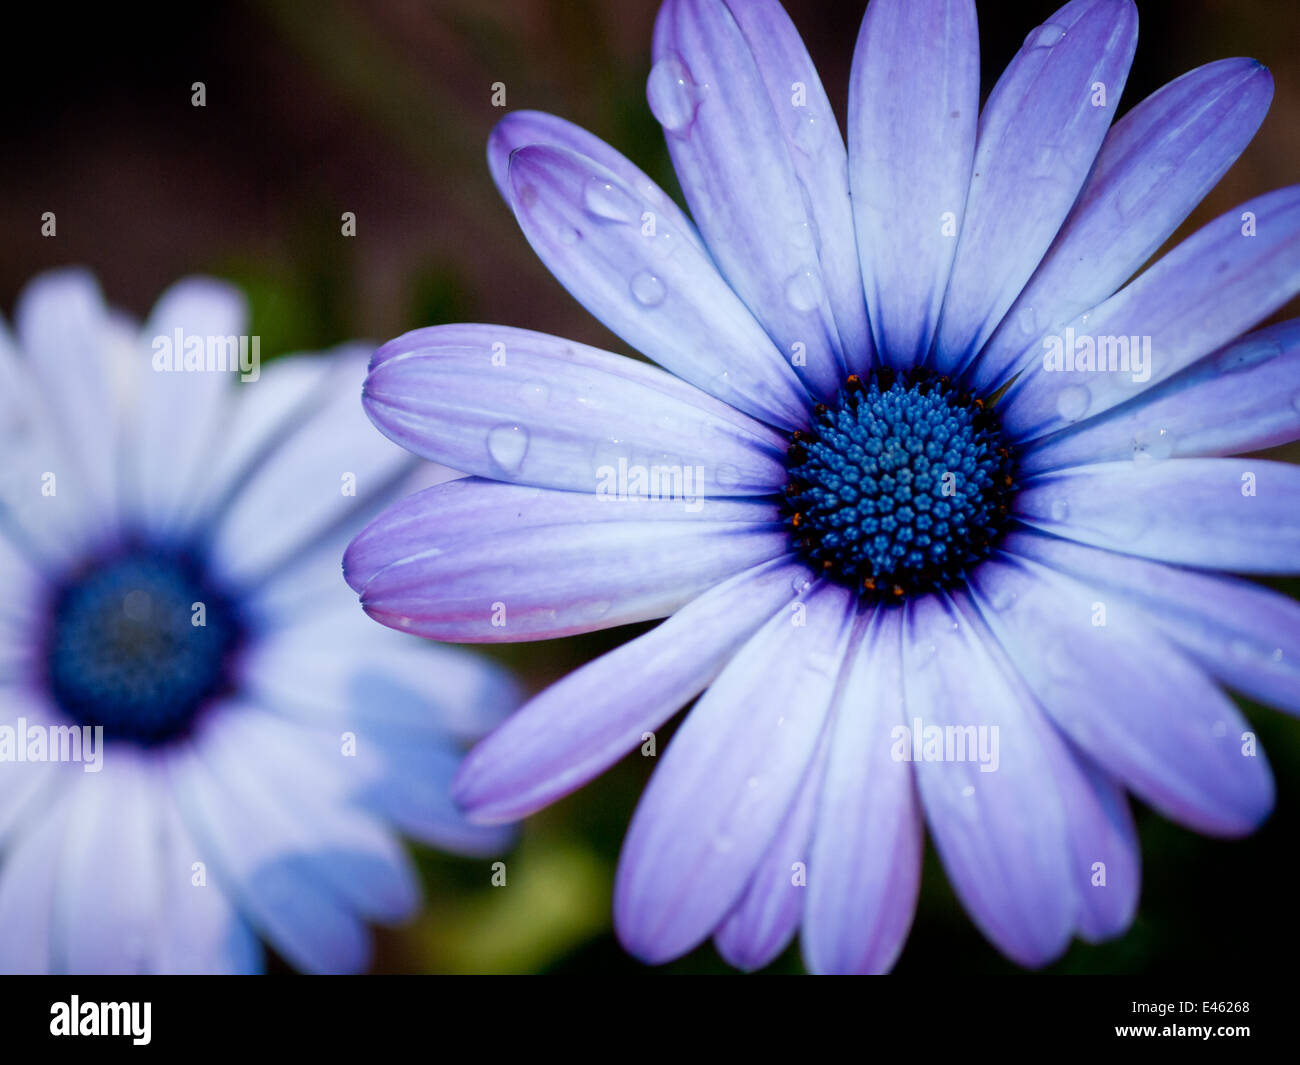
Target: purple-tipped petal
column 1245, row 397
column 556, row 414
column 1134, row 703
column 766, row 917
column 1229, row 514
column 728, row 780
column 649, row 283
column 431, row 521
column 556, row 580
column 1002, row 831
column 1209, row 290
column 1243, row 633
column 865, row 869
column 731, row 135
column 1038, row 137
column 913, row 112
column 581, row 725
column 519, row 129
column 1154, row 167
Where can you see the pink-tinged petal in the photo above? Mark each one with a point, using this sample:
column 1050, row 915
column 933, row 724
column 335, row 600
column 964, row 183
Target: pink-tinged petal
column 913, row 112
column 533, row 409
column 538, row 581
column 469, row 509
column 728, row 780
column 582, row 724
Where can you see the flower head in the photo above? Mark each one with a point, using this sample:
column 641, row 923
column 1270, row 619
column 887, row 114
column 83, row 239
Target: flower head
column 930, row 488
column 201, row 748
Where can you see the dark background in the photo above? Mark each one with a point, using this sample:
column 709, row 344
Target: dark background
column 383, row 108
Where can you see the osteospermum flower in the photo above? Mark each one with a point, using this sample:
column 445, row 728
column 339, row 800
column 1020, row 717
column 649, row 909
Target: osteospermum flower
column 925, row 563
column 169, row 547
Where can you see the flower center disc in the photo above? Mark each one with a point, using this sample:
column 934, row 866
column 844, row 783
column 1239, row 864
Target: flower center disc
column 138, row 643
column 900, row 486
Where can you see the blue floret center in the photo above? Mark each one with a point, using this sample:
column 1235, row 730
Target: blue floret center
column 900, row 485
column 139, row 642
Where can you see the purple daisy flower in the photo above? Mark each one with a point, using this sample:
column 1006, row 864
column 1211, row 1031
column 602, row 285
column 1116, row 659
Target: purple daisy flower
column 202, row 744
column 931, row 494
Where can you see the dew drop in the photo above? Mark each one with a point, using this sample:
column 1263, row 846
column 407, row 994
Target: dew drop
column 1001, row 599
column 1152, row 445
column 672, row 94
column 1073, row 401
column 534, row 394
column 507, row 445
column 567, row 235
column 1027, row 319
column 968, row 791
column 1247, row 354
column 1060, row 509
column 803, row 291
column 647, row 289
column 1047, row 35
column 1295, row 402
column 807, row 131
column 727, row 474
column 606, row 201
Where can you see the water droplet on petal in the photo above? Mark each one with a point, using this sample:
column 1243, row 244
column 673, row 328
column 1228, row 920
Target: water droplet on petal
column 1060, row 509
column 808, row 131
column 672, row 94
column 1247, row 354
column 610, row 203
column 507, row 445
column 1295, row 401
column 534, row 394
column 1027, row 319
column 1073, row 401
column 1152, row 445
column 727, row 474
column 647, row 289
column 1002, row 598
column 567, row 235
column 1047, row 35
column 804, row 290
